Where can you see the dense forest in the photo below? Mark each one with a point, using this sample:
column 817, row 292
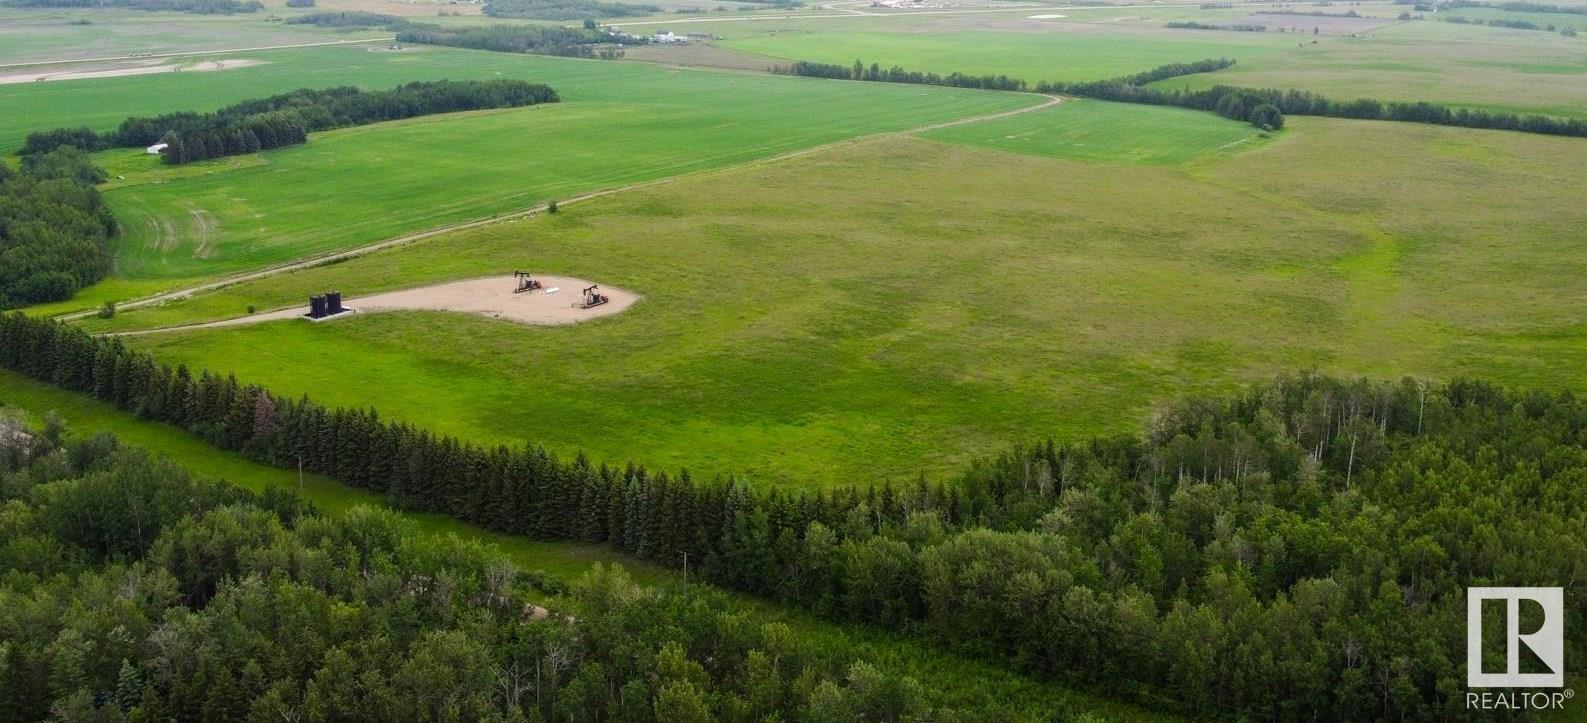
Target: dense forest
column 540, row 39
column 1297, row 551
column 201, row 7
column 54, row 230
column 131, row 591
column 566, row 9
column 287, row 119
column 895, row 74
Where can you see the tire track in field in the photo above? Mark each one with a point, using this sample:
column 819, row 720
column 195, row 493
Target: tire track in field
column 839, row 12
column 404, row 239
column 184, row 53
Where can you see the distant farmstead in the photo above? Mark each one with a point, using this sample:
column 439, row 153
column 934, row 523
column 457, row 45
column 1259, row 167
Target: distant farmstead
column 155, row 149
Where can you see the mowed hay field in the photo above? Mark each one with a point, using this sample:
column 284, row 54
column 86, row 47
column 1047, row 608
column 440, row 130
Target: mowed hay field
column 619, row 124
column 1498, row 69
column 901, row 306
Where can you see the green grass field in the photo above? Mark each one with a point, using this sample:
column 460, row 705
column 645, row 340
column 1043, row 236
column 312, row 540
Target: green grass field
column 620, row 124
column 1461, row 65
column 361, row 185
column 1497, row 69
column 1078, row 52
column 1109, row 132
column 899, row 307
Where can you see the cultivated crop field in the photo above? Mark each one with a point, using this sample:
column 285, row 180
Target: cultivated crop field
column 947, row 302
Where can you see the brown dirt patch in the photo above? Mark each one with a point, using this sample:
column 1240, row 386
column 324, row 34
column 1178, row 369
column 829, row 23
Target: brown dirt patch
column 490, row 296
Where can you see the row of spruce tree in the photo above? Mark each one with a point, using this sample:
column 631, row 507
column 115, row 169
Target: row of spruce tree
column 1300, row 551
column 875, row 73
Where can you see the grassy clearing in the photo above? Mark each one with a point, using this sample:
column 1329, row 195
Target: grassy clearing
column 1077, row 52
column 1497, row 69
column 954, row 681
column 360, row 185
column 1109, row 132
column 621, row 123
column 898, row 307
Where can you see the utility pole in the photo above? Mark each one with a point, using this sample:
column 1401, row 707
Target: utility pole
column 685, row 573
column 300, row 476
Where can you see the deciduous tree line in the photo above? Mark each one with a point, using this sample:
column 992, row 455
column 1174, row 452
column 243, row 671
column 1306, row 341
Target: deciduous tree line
column 287, row 119
column 538, row 39
column 1519, row 6
column 1298, row 551
column 567, row 9
column 1264, row 108
column 131, row 591
column 1511, row 24
column 895, row 74
column 352, row 19
column 54, row 230
column 1233, row 102
column 1192, row 25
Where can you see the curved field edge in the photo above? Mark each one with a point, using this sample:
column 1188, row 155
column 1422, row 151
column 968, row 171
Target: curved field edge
column 1092, row 130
